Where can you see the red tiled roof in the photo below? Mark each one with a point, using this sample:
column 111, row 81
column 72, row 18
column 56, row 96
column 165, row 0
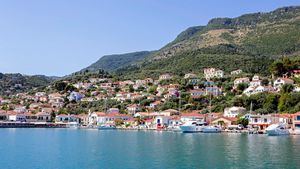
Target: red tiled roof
column 227, row 118
column 193, row 114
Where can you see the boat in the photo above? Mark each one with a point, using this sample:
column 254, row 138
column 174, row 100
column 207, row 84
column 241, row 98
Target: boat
column 192, row 127
column 107, row 127
column 211, row 129
column 73, row 125
column 174, row 128
column 277, row 130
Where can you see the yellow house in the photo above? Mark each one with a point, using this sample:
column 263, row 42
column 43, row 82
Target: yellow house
column 225, row 121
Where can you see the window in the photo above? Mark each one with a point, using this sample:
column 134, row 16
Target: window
column 298, row 117
column 255, row 120
column 265, row 120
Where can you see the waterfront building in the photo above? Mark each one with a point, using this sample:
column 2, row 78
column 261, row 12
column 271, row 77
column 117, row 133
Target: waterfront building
column 162, row 121
column 192, row 116
column 224, row 121
column 16, row 117
column 296, row 123
column 259, row 121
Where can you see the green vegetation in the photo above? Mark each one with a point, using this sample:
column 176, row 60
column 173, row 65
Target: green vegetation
column 14, row 83
column 113, row 62
column 250, row 42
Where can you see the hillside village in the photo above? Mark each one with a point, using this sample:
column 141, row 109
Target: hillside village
column 212, row 96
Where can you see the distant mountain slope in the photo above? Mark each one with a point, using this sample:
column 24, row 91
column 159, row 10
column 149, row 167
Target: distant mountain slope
column 249, row 42
column 272, row 33
column 14, row 83
column 113, row 62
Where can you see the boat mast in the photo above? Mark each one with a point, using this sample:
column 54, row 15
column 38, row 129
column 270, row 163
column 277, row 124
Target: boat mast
column 210, row 98
column 179, row 104
column 251, row 106
column 105, row 105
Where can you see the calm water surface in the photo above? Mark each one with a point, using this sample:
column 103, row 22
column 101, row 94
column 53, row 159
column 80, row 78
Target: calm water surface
column 93, row 149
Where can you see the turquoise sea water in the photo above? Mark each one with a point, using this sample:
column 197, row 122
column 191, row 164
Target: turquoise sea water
column 93, row 149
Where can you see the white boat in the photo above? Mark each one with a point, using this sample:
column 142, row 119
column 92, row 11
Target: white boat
column 192, row 127
column 174, row 128
column 107, row 127
column 211, row 129
column 277, row 130
column 73, row 125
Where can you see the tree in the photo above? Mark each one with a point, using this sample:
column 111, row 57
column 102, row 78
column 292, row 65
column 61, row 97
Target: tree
column 117, row 89
column 243, row 121
column 265, row 82
column 242, row 86
column 70, row 88
column 152, row 89
column 119, row 122
column 271, row 103
column 282, row 102
column 287, row 88
column 277, row 68
column 131, row 89
column 60, row 86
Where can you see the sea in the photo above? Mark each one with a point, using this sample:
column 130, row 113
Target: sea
column 116, row 149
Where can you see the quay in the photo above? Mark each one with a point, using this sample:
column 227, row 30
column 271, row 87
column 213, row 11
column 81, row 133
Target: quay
column 30, row 125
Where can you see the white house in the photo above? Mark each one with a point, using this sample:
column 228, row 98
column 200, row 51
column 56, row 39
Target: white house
column 255, row 81
column 165, row 76
column 281, row 81
column 113, row 110
column 14, row 116
column 43, row 117
column 259, row 121
column 175, row 121
column 190, row 75
column 132, row 109
column 213, row 73
column 241, row 80
column 236, row 72
column 110, row 118
column 162, row 121
column 233, row 111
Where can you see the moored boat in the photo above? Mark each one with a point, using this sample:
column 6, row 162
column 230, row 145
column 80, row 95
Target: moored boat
column 107, row 127
column 192, row 127
column 73, row 125
column 211, row 129
column 277, row 130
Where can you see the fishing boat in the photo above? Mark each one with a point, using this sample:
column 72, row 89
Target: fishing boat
column 211, row 129
column 277, row 130
column 192, row 127
column 107, row 127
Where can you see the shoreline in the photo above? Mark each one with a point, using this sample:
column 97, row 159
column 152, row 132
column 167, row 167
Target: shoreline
column 12, row 125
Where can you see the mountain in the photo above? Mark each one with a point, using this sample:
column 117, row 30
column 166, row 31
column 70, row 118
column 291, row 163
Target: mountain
column 14, row 83
column 250, row 42
column 113, row 62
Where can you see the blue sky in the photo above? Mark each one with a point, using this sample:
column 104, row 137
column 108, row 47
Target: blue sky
column 58, row 37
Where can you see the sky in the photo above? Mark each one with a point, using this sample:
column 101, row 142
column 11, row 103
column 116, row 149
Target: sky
column 59, row 37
